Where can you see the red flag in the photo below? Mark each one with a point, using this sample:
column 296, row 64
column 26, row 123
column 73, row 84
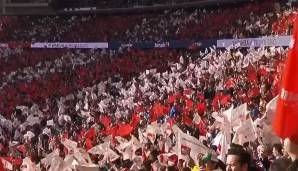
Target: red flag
column 90, row 133
column 106, row 121
column 157, row 111
column 22, row 148
column 89, row 144
column 171, row 99
column 124, row 130
column 202, row 128
column 284, row 123
column 186, row 120
column 230, row 83
column 225, row 100
column 135, row 120
column 201, row 108
column 263, row 71
column 251, row 73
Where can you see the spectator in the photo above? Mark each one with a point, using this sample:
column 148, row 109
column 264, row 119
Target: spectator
column 238, row 160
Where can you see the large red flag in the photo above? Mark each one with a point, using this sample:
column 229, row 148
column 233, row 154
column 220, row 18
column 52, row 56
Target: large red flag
column 285, row 121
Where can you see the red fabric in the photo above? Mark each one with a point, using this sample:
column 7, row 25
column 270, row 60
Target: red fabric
column 187, row 92
column 90, row 133
column 263, row 72
column 135, row 120
column 200, row 96
column 201, row 107
column 157, row 111
column 186, row 120
column 254, row 92
column 215, row 102
column 124, row 130
column 285, row 121
column 251, row 73
column 13, row 161
column 1, row 165
column 202, row 128
column 22, row 148
column 112, row 131
column 225, row 100
column 88, row 144
column 230, row 83
column 189, row 104
column 18, row 161
column 81, row 134
column 106, row 121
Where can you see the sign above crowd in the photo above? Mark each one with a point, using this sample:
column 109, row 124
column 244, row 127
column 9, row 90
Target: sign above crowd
column 199, row 44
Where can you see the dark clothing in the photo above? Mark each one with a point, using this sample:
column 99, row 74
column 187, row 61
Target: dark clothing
column 280, row 164
column 263, row 163
column 293, row 166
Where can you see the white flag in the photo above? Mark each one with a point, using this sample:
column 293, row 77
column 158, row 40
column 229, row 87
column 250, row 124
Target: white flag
column 56, row 164
column 245, row 133
column 99, row 149
column 47, row 160
column 223, row 146
column 195, row 146
column 270, row 111
column 238, row 115
column 227, row 114
column 28, row 165
column 70, row 145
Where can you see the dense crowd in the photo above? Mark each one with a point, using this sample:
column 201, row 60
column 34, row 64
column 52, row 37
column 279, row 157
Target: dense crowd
column 134, row 109
column 127, row 100
column 248, row 20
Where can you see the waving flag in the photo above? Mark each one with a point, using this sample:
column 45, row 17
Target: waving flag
column 284, row 123
column 124, row 130
column 270, row 111
column 5, row 164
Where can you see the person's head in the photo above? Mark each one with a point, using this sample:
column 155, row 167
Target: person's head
column 277, row 150
column 211, row 161
column 291, row 148
column 238, row 159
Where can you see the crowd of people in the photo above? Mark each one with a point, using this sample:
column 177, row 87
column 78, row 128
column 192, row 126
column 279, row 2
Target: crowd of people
column 149, row 90
column 247, row 20
column 143, row 109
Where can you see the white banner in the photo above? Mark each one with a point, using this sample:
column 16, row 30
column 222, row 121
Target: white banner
column 255, row 42
column 100, row 45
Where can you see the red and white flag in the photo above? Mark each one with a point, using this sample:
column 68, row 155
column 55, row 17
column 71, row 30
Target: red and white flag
column 285, row 121
column 188, row 142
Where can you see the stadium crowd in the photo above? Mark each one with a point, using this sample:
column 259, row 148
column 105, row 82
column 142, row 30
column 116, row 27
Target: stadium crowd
column 249, row 20
column 188, row 89
column 132, row 109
